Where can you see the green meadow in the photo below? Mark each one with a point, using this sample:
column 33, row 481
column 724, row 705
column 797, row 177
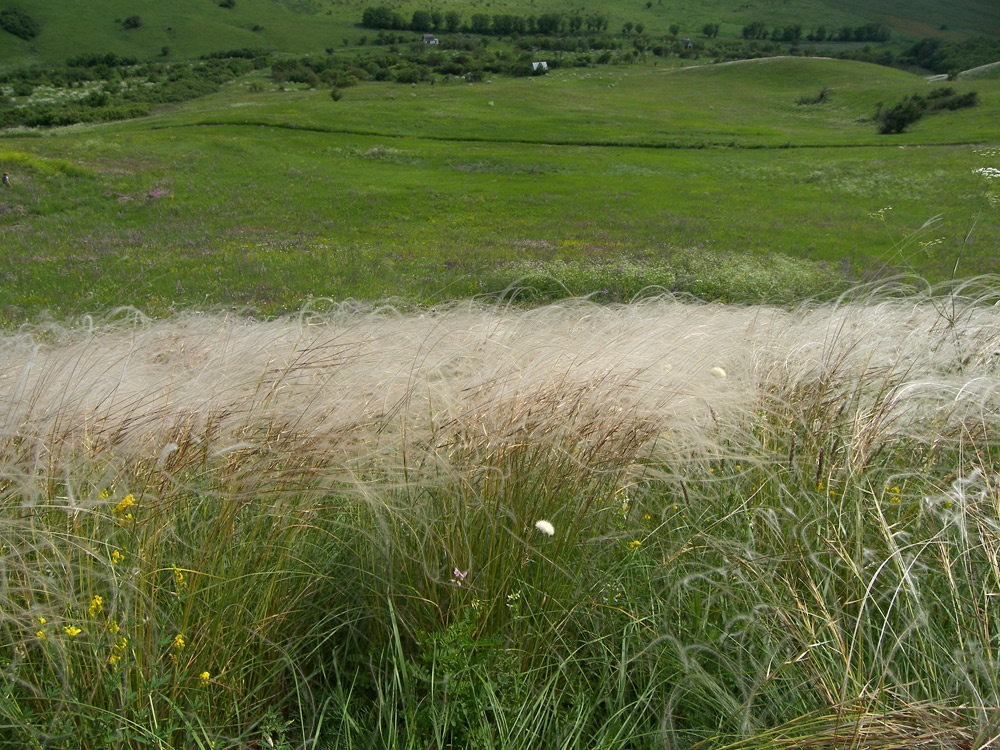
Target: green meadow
column 625, row 407
column 605, row 179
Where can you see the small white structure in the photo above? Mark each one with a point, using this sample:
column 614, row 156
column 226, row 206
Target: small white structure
column 430, row 39
column 540, row 65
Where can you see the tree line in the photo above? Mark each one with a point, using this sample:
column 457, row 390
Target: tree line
column 869, row 32
column 498, row 24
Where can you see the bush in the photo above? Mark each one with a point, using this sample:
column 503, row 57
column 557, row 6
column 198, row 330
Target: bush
column 18, row 23
column 132, row 22
column 23, row 88
column 899, row 117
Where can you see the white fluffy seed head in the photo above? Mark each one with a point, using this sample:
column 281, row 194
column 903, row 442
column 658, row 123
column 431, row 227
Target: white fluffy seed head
column 545, row 527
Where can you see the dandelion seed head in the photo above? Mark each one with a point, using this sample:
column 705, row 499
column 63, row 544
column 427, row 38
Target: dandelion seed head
column 545, row 527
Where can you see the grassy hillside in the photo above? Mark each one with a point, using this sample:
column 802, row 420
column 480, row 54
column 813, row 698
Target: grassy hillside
column 193, row 27
column 753, row 103
column 609, row 179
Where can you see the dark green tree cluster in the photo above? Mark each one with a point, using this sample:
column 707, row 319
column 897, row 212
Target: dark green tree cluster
column 939, row 56
column 897, row 118
column 870, row 32
column 498, row 24
column 416, row 63
column 18, row 23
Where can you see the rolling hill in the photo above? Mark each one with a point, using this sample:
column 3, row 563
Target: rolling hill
column 188, row 28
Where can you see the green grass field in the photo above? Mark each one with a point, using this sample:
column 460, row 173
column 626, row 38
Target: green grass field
column 263, row 198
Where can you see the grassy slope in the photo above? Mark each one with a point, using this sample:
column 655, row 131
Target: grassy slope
column 168, row 211
column 191, row 28
column 748, row 103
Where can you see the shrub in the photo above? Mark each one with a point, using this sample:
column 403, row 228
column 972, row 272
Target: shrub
column 132, row 22
column 23, row 88
column 899, row 117
column 821, row 97
column 18, row 23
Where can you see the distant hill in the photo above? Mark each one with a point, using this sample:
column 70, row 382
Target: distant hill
column 180, row 29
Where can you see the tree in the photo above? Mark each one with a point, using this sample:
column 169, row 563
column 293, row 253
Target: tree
column 480, row 23
column 452, row 20
column 549, row 23
column 421, row 21
column 640, row 27
column 627, row 28
column 379, row 17
column 675, row 29
column 710, row 30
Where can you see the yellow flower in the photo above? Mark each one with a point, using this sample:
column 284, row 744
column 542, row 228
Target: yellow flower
column 179, row 581
column 96, row 606
column 114, row 658
column 179, row 642
column 42, row 621
column 113, row 627
column 647, row 517
column 124, row 504
column 634, row 543
column 40, row 634
column 71, row 631
column 819, row 486
column 116, row 557
column 205, row 677
column 105, row 494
